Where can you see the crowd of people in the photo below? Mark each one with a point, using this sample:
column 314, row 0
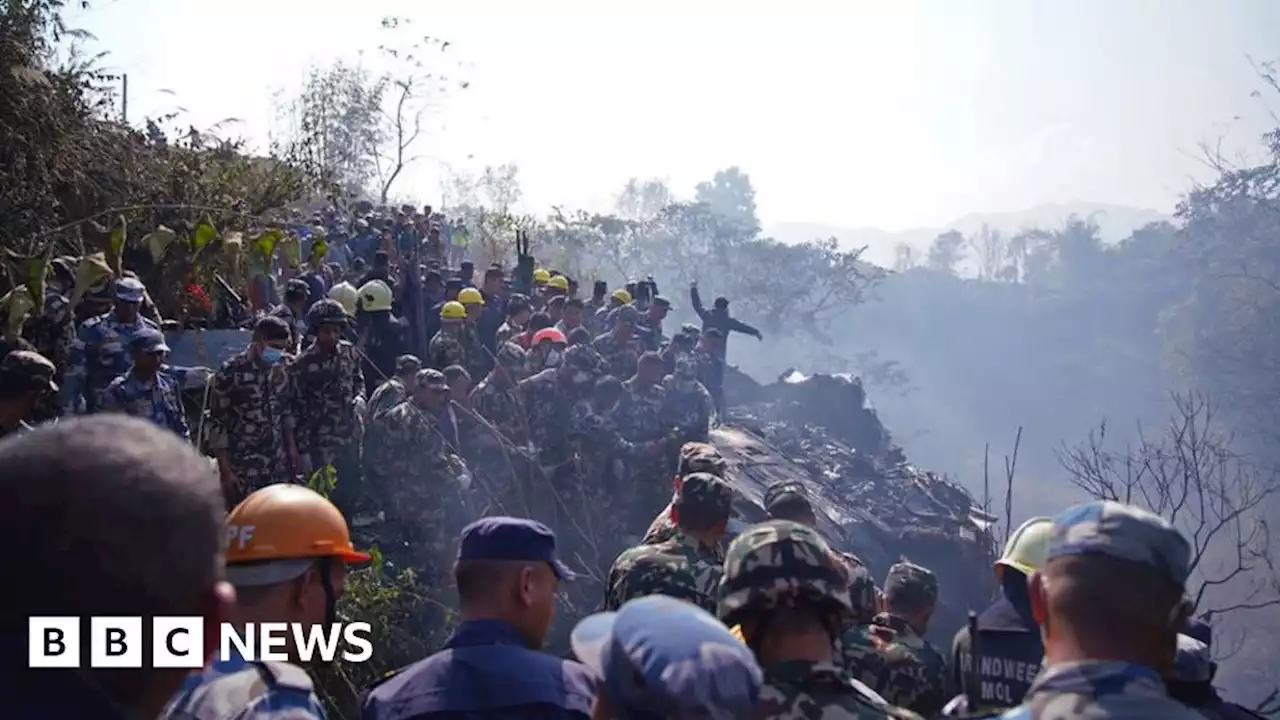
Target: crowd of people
column 464, row 412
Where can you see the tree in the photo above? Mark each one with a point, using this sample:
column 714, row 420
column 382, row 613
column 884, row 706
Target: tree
column 730, row 195
column 905, row 257
column 990, row 250
column 642, row 199
column 946, row 251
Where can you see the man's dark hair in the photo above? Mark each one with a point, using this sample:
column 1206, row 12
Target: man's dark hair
column 381, row 259
column 1109, row 598
column 650, row 358
column 579, row 336
column 713, row 334
column 540, row 321
column 114, row 516
column 556, row 301
column 515, row 307
column 794, row 507
column 494, row 273
column 453, row 372
column 271, row 328
column 599, row 288
column 698, row 518
column 574, row 303
column 608, row 389
column 722, row 303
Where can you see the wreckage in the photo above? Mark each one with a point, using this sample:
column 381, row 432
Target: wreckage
column 819, row 431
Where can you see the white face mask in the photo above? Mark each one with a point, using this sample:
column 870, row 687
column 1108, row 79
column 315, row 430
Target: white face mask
column 552, row 359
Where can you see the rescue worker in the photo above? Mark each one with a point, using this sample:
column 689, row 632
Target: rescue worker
column 251, row 424
column 686, row 404
column 115, row 517
column 476, row 356
column 382, row 336
column 451, row 345
column 718, row 317
column 662, row 658
column 619, row 346
column 540, row 278
column 496, row 398
column 620, row 298
column 649, row 330
column 599, row 289
column 518, row 313
column 152, row 390
column 710, row 358
column 1109, row 602
column 288, row 553
column 53, row 331
column 411, row 476
column 25, row 377
column 459, row 385
column 100, row 352
column 890, row 654
column 571, row 316
column 555, row 309
column 547, row 400
column 1009, row 645
column 687, row 566
column 640, row 419
column 347, row 296
column 556, row 286
column 579, row 336
column 789, row 599
column 507, row 575
column 538, row 322
column 297, row 299
column 546, row 349
column 693, row 457
column 397, row 389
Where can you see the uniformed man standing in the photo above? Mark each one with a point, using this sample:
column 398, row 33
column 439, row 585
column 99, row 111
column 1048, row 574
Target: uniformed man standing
column 395, row 390
column 25, row 377
column 1109, row 602
column 1009, row 645
column 151, row 389
column 694, row 457
column 100, row 352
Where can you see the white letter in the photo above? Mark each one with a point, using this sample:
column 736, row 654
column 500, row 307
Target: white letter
column 356, row 634
column 306, row 638
column 229, row 636
column 274, row 635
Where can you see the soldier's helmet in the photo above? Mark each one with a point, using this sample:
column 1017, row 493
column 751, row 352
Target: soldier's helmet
column 326, row 312
column 780, row 564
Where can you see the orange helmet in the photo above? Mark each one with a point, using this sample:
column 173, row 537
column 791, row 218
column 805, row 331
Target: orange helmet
column 288, row 522
column 551, row 334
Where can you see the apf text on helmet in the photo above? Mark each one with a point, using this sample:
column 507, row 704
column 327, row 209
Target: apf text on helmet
column 179, row 642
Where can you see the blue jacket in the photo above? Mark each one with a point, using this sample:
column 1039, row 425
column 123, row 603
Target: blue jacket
column 484, row 672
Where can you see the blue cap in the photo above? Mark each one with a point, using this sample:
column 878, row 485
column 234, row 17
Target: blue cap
column 1123, row 532
column 149, row 340
column 129, row 289
column 1193, row 663
column 509, row 538
column 663, row 657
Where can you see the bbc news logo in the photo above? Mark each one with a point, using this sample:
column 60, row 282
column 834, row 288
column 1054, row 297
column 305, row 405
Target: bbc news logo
column 178, row 642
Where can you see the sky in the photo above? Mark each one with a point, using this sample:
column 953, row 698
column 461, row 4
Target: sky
column 893, row 114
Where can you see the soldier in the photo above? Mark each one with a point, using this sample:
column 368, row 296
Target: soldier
column 890, row 653
column 496, row 399
column 151, row 389
column 1109, row 602
column 649, row 330
column 251, row 423
column 459, row 381
column 293, row 311
column 53, row 331
column 571, row 317
column 640, row 419
column 507, row 575
column 662, row 658
column 518, row 312
column 599, row 289
column 449, row 346
column 788, row 599
column 547, row 399
column 619, row 346
column 475, row 355
column 410, row 476
column 687, row 566
column 288, row 552
column 397, row 389
column 546, row 349
column 100, row 352
column 694, row 457
column 710, row 357
column 688, row 406
column 328, row 398
column 25, row 377
column 602, row 451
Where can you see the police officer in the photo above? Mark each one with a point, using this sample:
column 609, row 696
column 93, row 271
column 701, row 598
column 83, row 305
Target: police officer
column 1109, row 603
column 288, row 550
column 507, row 576
column 25, row 377
column 1009, row 647
column 641, row 653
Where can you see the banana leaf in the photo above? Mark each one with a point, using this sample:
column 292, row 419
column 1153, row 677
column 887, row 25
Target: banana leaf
column 115, row 244
column 204, row 234
column 319, row 248
column 158, row 242
column 263, row 248
column 16, row 303
column 291, row 248
column 37, row 271
column 90, row 271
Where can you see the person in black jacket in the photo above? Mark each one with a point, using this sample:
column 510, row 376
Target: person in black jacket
column 718, row 317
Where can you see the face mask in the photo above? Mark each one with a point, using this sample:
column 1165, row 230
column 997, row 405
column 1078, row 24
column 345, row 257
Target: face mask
column 553, row 359
column 272, row 355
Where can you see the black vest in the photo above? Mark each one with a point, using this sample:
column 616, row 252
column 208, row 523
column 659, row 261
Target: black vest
column 1010, row 652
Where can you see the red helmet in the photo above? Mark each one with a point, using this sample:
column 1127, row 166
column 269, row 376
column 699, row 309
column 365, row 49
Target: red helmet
column 551, row 334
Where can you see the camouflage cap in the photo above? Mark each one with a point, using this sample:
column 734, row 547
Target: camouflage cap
column 785, row 492
column 777, row 564
column 685, row 367
column 912, row 584
column 408, row 363
column 297, row 285
column 512, row 357
column 432, row 379
column 1193, row 662
column 628, row 315
column 327, row 312
column 696, row 457
column 1123, row 532
column 581, row 357
column 30, row 369
column 707, row 493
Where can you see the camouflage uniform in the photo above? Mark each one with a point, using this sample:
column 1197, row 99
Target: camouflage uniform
column 891, row 657
column 326, row 390
column 100, row 354
column 772, row 566
column 249, row 410
column 548, row 403
column 507, row 333
column 240, row 689
column 639, row 418
column 499, row 403
column 682, row 567
column 446, row 349
column 694, row 457
column 603, row 493
column 1101, row 688
column 53, row 331
column 622, row 355
column 160, row 401
column 388, row 395
column 862, row 588
column 29, row 368
column 687, row 406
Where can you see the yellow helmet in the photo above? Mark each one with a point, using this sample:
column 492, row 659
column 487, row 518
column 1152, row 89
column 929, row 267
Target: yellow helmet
column 453, row 310
column 346, row 295
column 558, row 282
column 470, row 296
column 622, row 296
column 375, row 296
column 1027, row 547
column 541, row 276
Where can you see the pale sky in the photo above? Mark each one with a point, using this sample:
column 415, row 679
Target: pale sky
column 891, row 114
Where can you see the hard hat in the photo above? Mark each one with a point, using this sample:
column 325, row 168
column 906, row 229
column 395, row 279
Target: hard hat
column 622, row 296
column 551, row 334
column 470, row 296
column 1027, row 547
column 541, row 276
column 558, row 282
column 346, row 295
column 375, row 296
column 283, row 522
column 453, row 310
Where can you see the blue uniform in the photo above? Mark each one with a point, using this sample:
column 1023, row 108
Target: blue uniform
column 99, row 355
column 484, row 671
column 1099, row 689
column 246, row 690
column 159, row 401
